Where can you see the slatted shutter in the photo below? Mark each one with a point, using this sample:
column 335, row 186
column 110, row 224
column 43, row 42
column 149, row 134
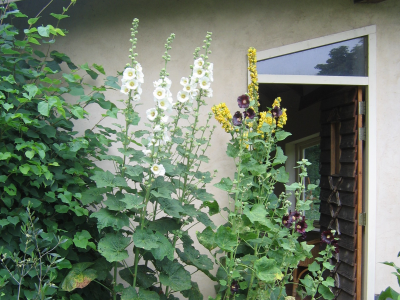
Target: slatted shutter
column 340, row 186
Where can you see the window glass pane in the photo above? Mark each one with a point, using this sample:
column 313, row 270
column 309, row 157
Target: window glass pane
column 347, row 58
column 313, row 155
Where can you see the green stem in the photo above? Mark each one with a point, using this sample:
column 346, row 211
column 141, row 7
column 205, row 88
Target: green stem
column 115, row 282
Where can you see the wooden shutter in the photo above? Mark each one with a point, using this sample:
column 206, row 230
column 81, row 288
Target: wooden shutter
column 341, row 186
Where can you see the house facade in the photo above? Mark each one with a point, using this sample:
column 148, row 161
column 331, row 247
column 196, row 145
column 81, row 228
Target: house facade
column 99, row 32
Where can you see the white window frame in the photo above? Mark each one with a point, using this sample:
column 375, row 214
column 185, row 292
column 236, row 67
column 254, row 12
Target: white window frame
column 369, row 261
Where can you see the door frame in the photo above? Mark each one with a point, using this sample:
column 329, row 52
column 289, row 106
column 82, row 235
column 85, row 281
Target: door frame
column 369, row 189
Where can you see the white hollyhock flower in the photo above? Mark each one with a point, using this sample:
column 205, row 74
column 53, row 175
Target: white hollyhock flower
column 183, row 96
column 194, row 94
column 209, row 75
column 138, row 67
column 151, row 114
column 157, row 128
column 131, row 84
column 164, row 119
column 188, row 88
column 167, row 82
column 184, row 81
column 164, row 104
column 146, row 152
column 199, row 63
column 198, row 72
column 204, row 83
column 152, row 140
column 166, row 137
column 210, row 67
column 157, row 83
column 136, row 97
column 140, row 76
column 139, row 90
column 159, row 93
column 124, row 89
column 158, row 170
column 129, row 73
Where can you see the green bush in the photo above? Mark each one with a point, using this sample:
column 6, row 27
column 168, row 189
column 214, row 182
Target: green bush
column 44, row 164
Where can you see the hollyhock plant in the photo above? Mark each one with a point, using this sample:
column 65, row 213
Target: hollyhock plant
column 158, row 191
column 261, row 244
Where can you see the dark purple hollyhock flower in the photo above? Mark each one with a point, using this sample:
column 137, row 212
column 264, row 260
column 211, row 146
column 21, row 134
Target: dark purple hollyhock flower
column 243, row 101
column 234, row 286
column 237, row 118
column 327, row 237
column 250, row 113
column 336, row 245
column 294, row 216
column 301, row 226
column 276, row 112
column 286, row 221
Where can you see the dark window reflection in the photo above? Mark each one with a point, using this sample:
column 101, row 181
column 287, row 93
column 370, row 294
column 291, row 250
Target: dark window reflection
column 347, row 58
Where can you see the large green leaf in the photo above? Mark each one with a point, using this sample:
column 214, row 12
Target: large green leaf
column 130, row 294
column 280, row 157
column 108, row 179
column 133, row 201
column 171, row 206
column 192, row 256
column 145, row 239
column 193, row 293
column 207, row 238
column 226, row 239
column 114, row 202
column 225, row 184
column 113, row 246
column 164, row 225
column 267, row 270
column 79, row 277
column 175, row 276
column 106, row 218
column 164, row 249
column 145, row 276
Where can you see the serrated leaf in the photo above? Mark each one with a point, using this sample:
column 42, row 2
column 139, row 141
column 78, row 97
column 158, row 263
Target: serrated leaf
column 171, row 206
column 106, row 218
column 130, row 294
column 164, row 248
column 191, row 256
column 267, row 270
column 113, row 246
column 145, row 239
column 99, row 68
column 145, row 276
column 226, row 239
column 107, row 179
column 175, row 276
column 81, row 239
column 114, row 202
column 58, row 16
column 225, row 184
column 78, row 277
column 207, row 238
column 280, row 157
column 232, row 151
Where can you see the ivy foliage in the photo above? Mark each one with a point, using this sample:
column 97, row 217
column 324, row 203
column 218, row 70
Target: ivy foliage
column 45, row 164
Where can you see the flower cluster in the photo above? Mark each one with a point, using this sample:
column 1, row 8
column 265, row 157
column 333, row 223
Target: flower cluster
column 253, row 86
column 201, row 78
column 298, row 220
column 131, row 81
column 223, row 116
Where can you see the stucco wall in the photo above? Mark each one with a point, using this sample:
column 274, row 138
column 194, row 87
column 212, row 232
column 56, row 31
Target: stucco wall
column 99, row 33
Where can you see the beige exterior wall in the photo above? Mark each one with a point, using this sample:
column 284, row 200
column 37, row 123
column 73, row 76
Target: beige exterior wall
column 99, row 33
